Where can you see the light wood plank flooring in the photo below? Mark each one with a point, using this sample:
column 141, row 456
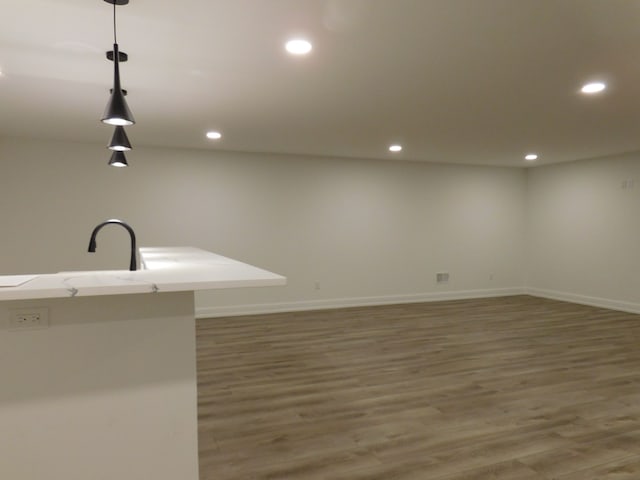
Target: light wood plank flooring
column 494, row 389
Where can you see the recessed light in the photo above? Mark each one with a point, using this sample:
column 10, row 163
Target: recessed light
column 298, row 46
column 214, row 135
column 395, row 148
column 531, row 156
column 594, row 87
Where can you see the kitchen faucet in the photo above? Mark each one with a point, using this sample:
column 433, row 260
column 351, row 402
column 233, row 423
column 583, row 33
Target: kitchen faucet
column 92, row 242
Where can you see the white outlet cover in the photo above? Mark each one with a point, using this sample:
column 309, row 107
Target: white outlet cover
column 40, row 317
column 442, row 277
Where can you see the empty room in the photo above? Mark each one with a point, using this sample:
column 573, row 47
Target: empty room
column 320, row 240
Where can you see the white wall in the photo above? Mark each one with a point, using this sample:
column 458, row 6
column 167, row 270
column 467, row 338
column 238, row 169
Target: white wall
column 368, row 231
column 583, row 235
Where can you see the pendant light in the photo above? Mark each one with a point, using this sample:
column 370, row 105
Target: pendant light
column 118, row 160
column 119, row 141
column 117, row 111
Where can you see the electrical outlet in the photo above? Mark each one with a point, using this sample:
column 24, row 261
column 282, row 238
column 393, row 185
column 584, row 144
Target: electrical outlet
column 442, row 277
column 28, row 318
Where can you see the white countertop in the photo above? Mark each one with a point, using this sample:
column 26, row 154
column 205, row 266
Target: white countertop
column 164, row 269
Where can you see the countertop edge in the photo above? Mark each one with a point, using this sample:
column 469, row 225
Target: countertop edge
column 168, row 269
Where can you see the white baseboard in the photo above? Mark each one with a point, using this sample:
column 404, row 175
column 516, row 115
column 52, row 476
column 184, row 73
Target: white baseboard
column 585, row 300
column 256, row 309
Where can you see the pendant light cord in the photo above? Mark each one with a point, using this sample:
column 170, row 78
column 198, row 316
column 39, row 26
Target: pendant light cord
column 115, row 38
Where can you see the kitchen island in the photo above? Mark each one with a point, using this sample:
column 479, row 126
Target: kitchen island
column 98, row 369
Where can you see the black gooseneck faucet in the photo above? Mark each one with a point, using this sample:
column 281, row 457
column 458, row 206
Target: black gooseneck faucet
column 92, row 242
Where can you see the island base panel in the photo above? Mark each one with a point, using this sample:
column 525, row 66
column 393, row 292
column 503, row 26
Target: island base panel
column 108, row 390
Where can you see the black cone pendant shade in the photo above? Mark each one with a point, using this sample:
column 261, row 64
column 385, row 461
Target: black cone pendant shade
column 119, row 141
column 117, row 111
column 118, row 160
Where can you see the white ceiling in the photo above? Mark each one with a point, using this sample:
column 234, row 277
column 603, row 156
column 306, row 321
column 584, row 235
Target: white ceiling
column 463, row 81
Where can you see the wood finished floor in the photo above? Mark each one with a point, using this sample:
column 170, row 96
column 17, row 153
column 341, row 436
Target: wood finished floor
column 494, row 389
